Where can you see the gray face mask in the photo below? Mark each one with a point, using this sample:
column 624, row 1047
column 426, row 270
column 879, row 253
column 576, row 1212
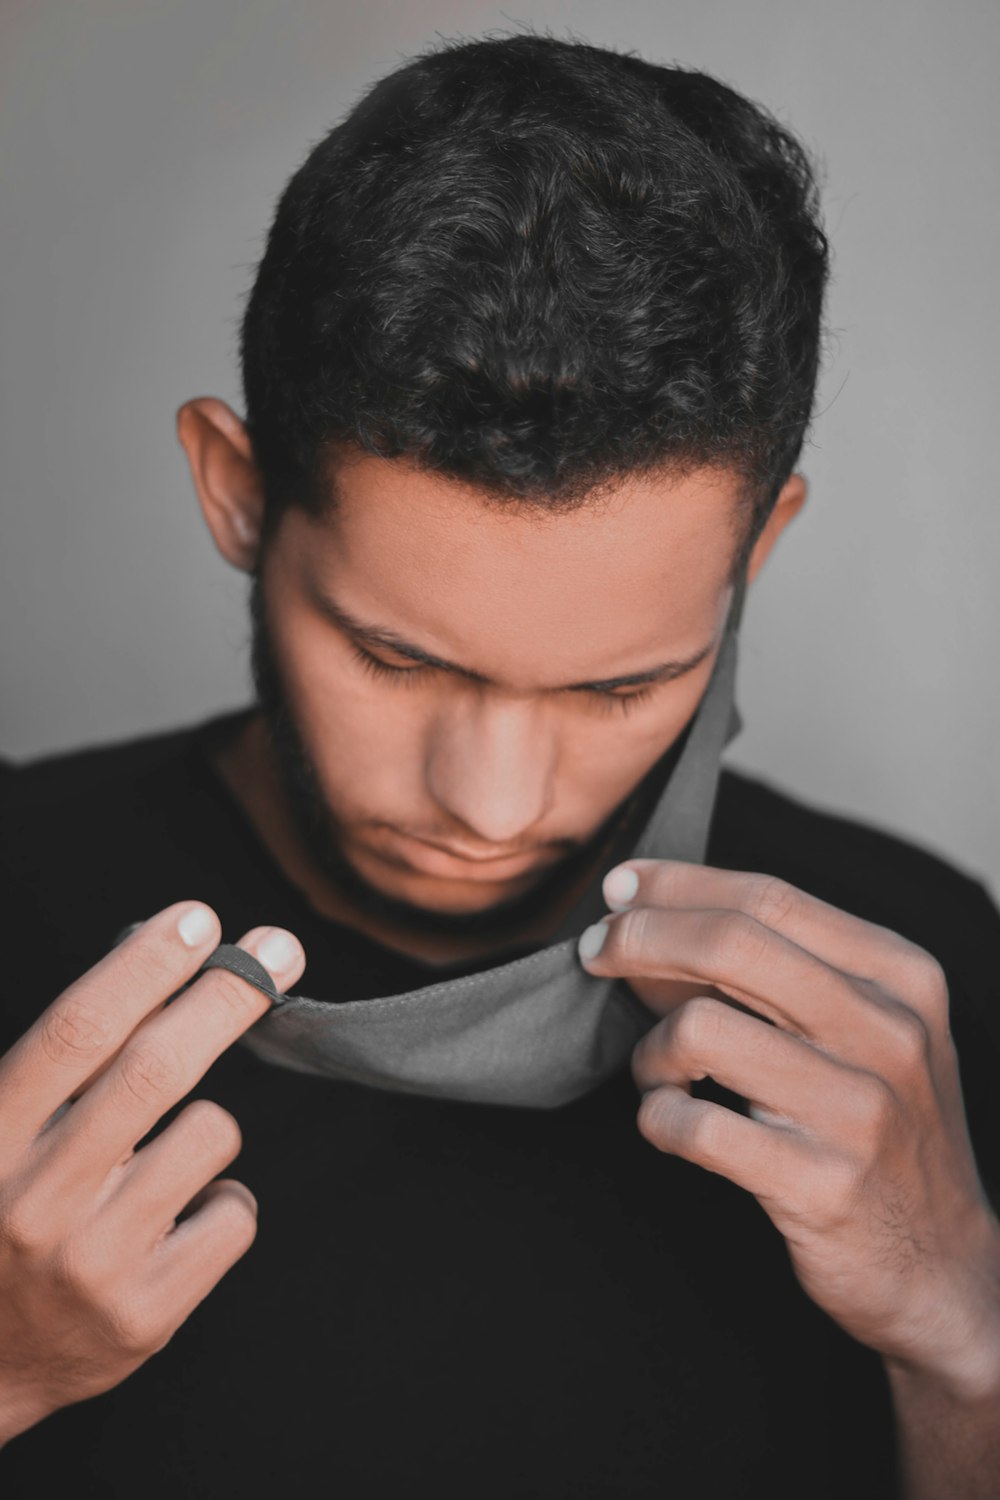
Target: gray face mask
column 539, row 1031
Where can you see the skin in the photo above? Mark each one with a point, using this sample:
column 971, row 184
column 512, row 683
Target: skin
column 855, row 1140
column 105, row 1250
column 506, row 766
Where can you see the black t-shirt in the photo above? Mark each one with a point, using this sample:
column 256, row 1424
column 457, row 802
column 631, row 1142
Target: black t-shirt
column 447, row 1298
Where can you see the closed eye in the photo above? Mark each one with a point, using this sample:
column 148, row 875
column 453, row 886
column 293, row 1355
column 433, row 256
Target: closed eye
column 379, row 668
column 602, row 698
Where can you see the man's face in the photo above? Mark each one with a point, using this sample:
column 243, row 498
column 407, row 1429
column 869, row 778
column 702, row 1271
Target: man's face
column 464, row 790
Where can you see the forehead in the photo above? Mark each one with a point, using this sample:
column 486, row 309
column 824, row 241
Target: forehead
column 644, row 561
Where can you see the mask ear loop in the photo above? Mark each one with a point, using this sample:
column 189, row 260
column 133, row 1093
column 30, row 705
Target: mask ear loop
column 738, row 600
column 243, row 964
column 732, row 630
column 226, row 956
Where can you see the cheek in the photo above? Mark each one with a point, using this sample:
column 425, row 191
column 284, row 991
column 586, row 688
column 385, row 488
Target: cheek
column 613, row 753
column 348, row 721
column 602, row 758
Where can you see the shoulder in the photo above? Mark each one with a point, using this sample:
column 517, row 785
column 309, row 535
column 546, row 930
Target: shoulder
column 68, row 779
column 69, row 809
column 83, row 816
column 881, row 875
column 93, row 839
column 99, row 787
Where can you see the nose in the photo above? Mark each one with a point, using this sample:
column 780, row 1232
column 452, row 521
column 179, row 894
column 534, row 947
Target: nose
column 490, row 766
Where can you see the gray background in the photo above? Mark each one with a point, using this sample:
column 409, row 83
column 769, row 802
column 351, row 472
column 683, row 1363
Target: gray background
column 142, row 146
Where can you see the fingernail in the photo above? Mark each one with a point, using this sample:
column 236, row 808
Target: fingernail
column 196, row 926
column 620, row 885
column 278, row 951
column 592, row 940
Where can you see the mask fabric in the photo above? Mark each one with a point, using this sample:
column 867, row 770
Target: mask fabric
column 536, row 1032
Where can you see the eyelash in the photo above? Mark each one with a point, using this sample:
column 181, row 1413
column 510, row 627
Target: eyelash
column 609, row 702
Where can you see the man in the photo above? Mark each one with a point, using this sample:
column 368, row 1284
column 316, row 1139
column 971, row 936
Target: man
column 528, row 365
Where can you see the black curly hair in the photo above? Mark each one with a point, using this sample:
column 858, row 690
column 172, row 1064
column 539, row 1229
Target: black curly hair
column 536, row 266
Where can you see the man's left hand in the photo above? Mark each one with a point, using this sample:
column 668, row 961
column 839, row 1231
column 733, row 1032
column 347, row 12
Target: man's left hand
column 835, row 1032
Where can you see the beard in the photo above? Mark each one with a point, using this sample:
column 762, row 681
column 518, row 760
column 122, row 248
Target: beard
column 319, row 832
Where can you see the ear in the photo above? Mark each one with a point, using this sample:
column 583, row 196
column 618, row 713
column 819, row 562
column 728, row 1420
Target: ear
column 791, row 498
column 226, row 479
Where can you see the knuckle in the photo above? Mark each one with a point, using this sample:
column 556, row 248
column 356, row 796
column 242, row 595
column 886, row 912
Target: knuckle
column 689, row 1131
column 134, row 1330
column 911, row 1040
column 699, row 1132
column 24, row 1227
column 74, row 1029
column 922, row 979
column 652, row 1116
column 78, row 1265
column 238, row 1216
column 739, row 942
column 147, row 1071
column 838, row 1193
column 770, row 900
column 645, row 1052
column 148, row 964
column 628, row 934
column 214, row 1129
column 238, row 997
column 933, row 986
column 698, row 1025
column 873, row 1105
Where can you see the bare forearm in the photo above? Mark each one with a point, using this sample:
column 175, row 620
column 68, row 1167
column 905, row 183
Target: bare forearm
column 948, row 1441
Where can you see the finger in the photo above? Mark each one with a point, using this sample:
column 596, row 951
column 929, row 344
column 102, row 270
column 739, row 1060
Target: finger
column 188, row 1263
column 840, row 939
column 91, row 1020
column 163, row 1060
column 761, row 969
column 764, row 1160
column 777, row 1072
column 160, row 1181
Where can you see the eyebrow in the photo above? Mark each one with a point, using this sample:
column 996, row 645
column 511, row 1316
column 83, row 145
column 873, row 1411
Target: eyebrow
column 381, row 635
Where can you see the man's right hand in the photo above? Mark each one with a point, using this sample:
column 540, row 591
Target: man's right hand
column 104, row 1251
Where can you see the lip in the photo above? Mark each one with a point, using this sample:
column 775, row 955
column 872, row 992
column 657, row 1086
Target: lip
column 439, row 859
column 472, row 859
